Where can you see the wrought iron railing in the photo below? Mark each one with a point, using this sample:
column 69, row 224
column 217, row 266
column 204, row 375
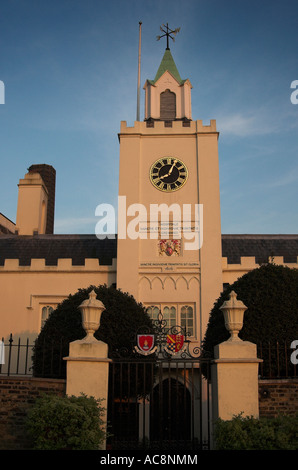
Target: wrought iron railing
column 277, row 360
column 158, row 342
column 17, row 358
column 276, row 356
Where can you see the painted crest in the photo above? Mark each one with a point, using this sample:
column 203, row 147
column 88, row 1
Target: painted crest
column 174, row 343
column 145, row 344
column 169, row 247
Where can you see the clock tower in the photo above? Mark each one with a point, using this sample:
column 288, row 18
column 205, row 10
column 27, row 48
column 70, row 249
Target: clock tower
column 169, row 231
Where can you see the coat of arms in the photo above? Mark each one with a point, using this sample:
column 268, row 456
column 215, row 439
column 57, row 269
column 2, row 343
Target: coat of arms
column 169, row 247
column 145, row 344
column 174, row 343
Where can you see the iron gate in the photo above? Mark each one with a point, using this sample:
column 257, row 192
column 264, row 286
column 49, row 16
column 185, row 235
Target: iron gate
column 159, row 404
column 159, row 392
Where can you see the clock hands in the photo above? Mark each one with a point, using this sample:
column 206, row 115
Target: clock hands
column 168, row 174
column 170, row 171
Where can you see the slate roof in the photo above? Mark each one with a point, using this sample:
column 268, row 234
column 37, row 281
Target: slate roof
column 52, row 247
column 260, row 246
column 79, row 247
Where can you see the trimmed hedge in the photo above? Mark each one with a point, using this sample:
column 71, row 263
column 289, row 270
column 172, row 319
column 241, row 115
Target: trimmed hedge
column 270, row 294
column 249, row 433
column 120, row 320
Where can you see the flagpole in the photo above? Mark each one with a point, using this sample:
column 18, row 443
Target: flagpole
column 139, row 73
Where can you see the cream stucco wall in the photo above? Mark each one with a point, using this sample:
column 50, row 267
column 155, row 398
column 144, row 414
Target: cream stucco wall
column 24, row 290
column 140, row 269
column 7, row 224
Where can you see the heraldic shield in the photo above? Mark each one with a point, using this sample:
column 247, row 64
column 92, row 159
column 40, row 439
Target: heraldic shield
column 145, row 344
column 174, row 343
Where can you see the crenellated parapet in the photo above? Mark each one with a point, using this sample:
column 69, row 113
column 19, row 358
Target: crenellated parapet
column 170, row 127
column 63, row 265
column 232, row 272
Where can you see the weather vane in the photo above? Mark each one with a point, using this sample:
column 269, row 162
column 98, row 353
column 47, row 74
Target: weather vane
column 168, row 33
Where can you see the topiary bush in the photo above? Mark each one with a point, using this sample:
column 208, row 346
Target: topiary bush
column 270, row 294
column 66, row 423
column 249, row 433
column 120, row 320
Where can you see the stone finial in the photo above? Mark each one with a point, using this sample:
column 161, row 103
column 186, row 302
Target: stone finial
column 91, row 310
column 233, row 311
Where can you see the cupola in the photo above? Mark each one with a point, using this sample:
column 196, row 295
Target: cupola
column 167, row 97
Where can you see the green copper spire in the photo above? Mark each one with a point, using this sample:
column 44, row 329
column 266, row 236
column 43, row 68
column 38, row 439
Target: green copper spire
column 167, row 64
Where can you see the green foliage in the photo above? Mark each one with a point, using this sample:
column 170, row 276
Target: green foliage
column 119, row 322
column 66, row 423
column 271, row 295
column 248, row 433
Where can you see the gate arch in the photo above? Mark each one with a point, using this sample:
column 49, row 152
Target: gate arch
column 170, row 411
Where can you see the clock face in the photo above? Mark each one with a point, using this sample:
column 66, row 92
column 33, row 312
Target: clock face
column 168, row 174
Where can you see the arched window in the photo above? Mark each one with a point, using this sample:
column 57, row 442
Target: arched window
column 167, row 105
column 187, row 319
column 153, row 312
column 169, row 314
column 175, row 314
column 45, row 313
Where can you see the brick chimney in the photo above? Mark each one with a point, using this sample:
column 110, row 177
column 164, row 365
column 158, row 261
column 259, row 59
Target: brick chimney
column 48, row 174
column 36, row 201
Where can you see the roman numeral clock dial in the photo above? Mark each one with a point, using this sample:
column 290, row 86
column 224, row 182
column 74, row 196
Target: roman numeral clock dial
column 168, row 174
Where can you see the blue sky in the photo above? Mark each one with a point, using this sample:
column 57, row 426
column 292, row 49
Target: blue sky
column 70, row 74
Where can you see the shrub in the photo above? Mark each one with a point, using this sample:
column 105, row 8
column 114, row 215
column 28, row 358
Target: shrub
column 120, row 320
column 66, row 423
column 249, row 433
column 270, row 294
